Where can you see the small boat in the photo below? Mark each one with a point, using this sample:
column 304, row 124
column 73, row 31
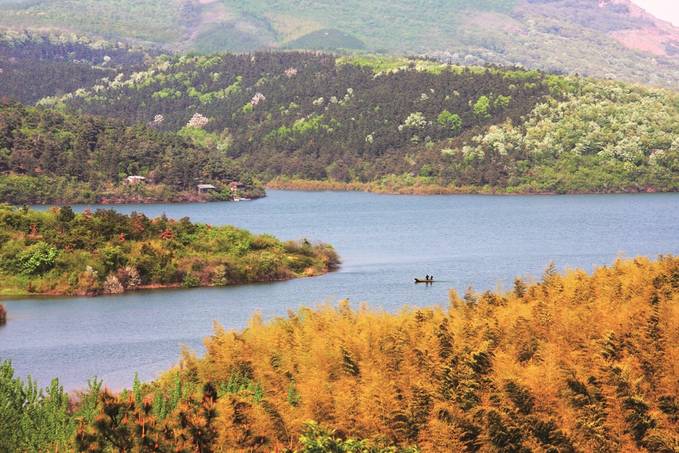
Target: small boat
column 422, row 280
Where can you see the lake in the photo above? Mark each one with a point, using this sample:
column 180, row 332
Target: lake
column 384, row 241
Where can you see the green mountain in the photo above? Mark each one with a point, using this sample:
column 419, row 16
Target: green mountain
column 603, row 38
column 398, row 123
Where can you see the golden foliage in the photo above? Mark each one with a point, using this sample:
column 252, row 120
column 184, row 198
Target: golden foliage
column 574, row 362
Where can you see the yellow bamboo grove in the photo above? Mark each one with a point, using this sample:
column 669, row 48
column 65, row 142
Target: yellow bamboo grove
column 574, row 362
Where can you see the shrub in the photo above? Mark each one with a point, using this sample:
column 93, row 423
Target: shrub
column 190, row 281
column 37, row 259
column 112, row 285
column 450, row 121
column 481, row 107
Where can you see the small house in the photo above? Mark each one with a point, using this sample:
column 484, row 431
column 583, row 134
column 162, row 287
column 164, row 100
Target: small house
column 135, row 179
column 236, row 185
column 204, row 188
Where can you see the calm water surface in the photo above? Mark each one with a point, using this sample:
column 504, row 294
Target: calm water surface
column 384, row 242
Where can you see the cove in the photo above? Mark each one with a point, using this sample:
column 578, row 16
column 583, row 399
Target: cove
column 384, row 241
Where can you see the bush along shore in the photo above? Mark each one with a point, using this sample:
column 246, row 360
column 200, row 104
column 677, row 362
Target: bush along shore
column 60, row 252
column 518, row 371
column 3, row 315
column 418, row 185
column 25, row 189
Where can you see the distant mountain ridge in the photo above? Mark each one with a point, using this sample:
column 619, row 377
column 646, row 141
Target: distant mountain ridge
column 659, row 37
column 601, row 38
column 629, row 24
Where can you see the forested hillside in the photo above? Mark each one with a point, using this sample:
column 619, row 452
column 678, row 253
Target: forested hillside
column 397, row 122
column 602, row 38
column 104, row 252
column 35, row 65
column 47, row 156
column 518, row 371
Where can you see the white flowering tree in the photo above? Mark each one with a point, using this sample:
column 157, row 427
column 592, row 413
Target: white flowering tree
column 257, row 98
column 415, row 120
column 198, row 121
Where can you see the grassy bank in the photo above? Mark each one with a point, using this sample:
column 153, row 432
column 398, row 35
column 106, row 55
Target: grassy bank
column 410, row 185
column 60, row 252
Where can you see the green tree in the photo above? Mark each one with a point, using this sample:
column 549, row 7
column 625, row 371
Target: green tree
column 113, row 258
column 66, row 214
column 37, row 259
column 481, row 107
column 450, row 121
column 31, row 418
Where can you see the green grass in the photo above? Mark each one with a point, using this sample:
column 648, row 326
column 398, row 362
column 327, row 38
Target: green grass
column 232, row 37
column 382, row 64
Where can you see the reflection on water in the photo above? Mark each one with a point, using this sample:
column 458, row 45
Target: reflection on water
column 384, row 241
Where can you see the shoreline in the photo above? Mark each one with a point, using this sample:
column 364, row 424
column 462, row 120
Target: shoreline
column 115, row 201
column 308, row 185
column 4, row 297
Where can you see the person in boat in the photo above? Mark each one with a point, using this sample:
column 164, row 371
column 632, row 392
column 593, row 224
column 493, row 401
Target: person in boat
column 431, row 278
column 426, row 278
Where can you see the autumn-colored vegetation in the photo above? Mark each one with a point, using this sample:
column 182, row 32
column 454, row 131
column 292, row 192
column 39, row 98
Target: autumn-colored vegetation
column 104, row 252
column 403, row 185
column 574, row 362
column 3, row 315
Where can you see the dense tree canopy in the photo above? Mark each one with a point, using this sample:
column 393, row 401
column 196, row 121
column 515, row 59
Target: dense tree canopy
column 376, row 123
column 600, row 38
column 34, row 65
column 359, row 120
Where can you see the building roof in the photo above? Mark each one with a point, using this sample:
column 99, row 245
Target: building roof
column 206, row 186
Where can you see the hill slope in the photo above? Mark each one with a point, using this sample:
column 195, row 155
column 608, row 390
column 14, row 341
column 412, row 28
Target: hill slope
column 48, row 157
column 361, row 120
column 603, row 38
column 35, row 65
